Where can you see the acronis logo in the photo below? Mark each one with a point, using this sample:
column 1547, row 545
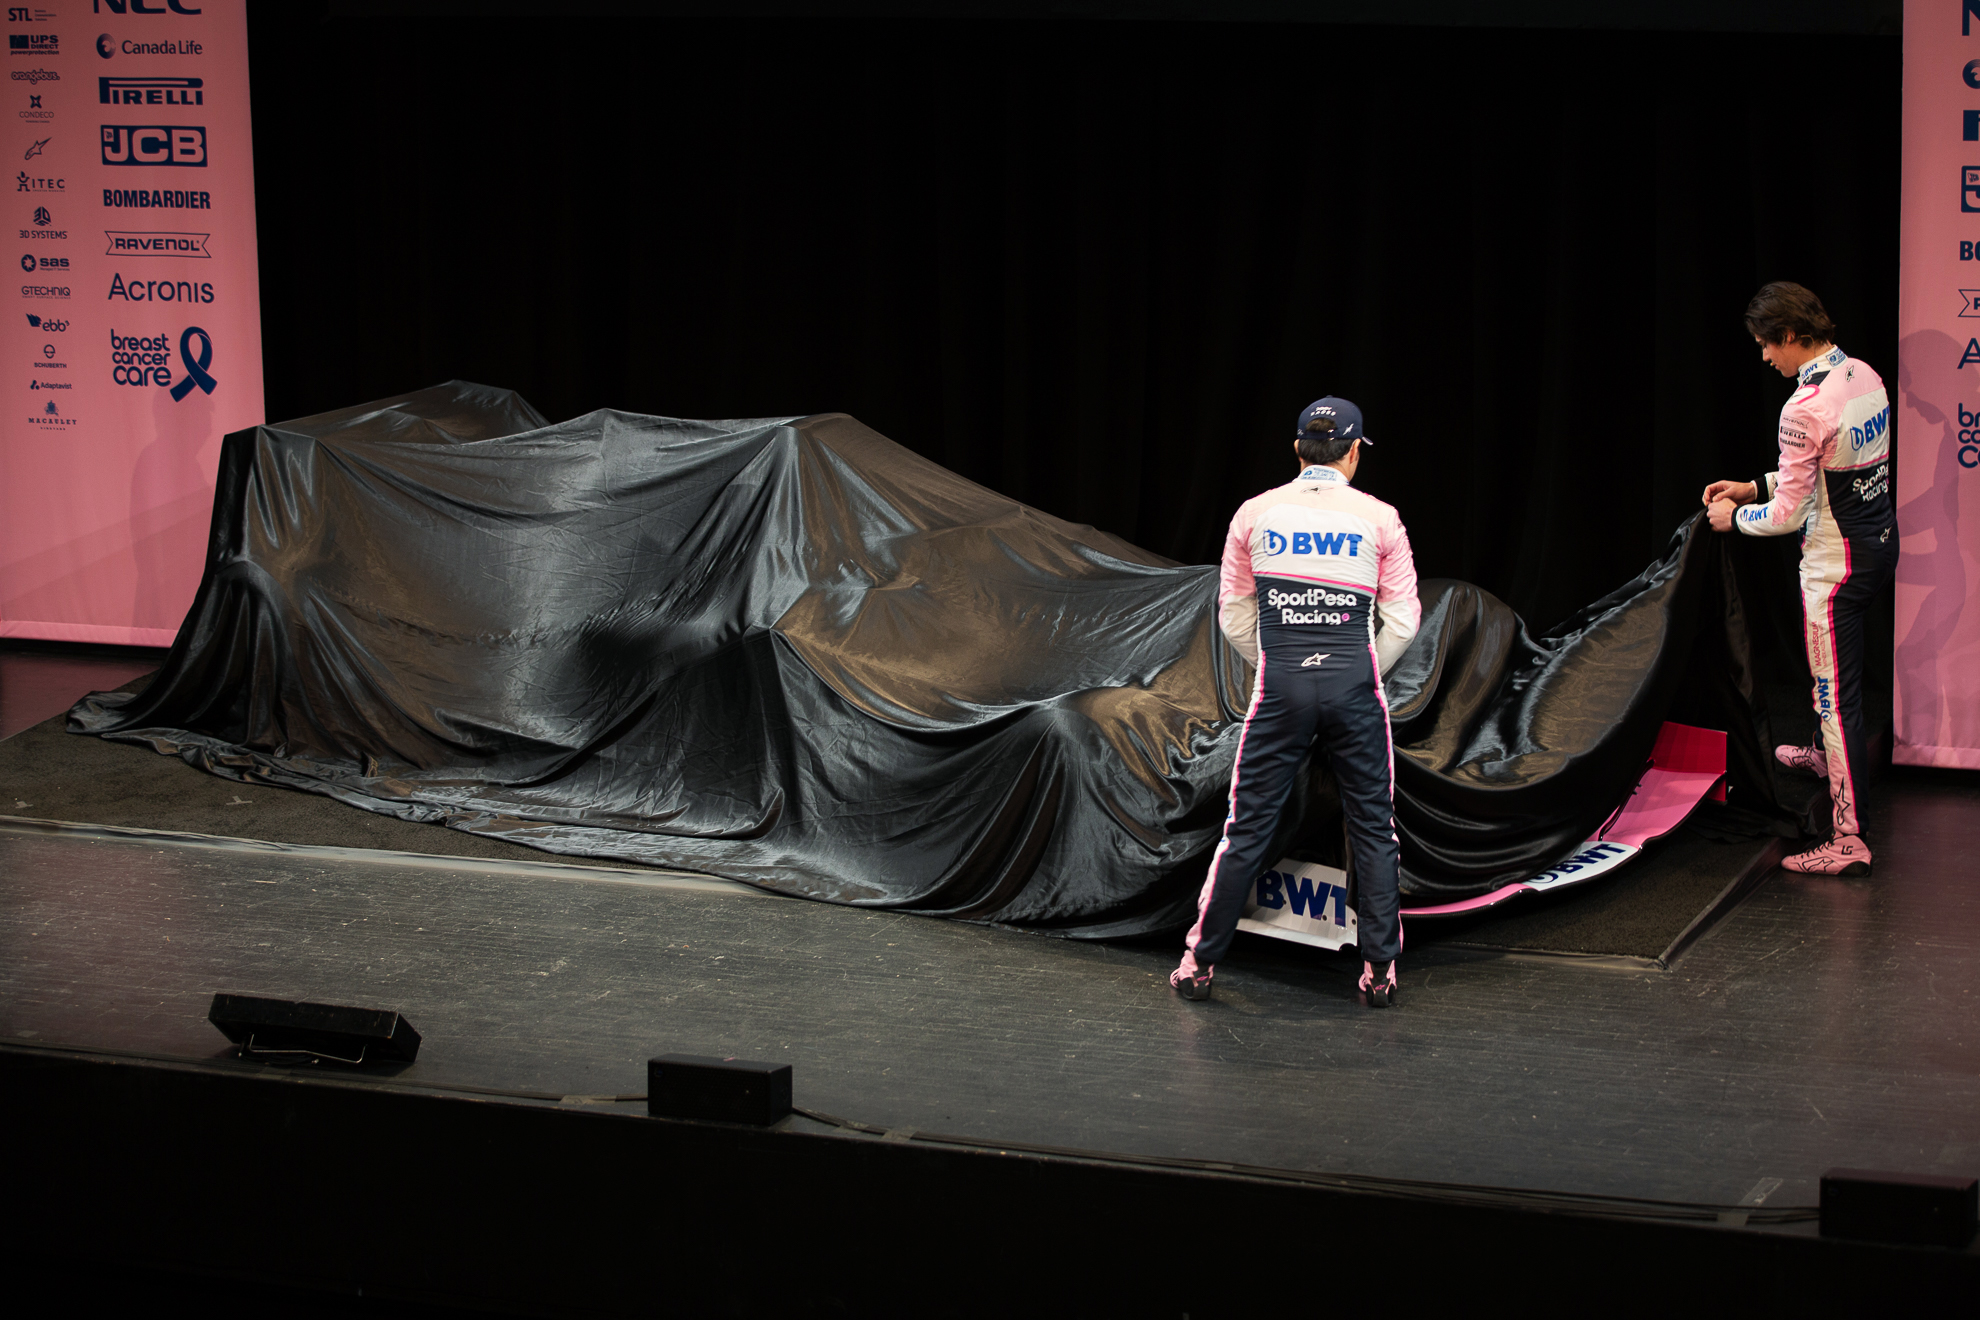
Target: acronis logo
column 1315, row 543
column 1306, row 896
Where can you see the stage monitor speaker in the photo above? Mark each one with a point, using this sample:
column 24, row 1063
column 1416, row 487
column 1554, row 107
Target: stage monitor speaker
column 1900, row 1207
column 296, row 1029
column 729, row 1090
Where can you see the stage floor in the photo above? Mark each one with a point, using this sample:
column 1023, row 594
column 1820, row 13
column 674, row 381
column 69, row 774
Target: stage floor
column 1822, row 1023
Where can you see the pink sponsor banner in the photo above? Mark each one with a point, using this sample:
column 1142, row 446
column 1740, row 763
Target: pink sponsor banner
column 134, row 340
column 1937, row 716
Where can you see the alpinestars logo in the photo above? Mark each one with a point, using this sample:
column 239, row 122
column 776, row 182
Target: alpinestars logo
column 1314, row 661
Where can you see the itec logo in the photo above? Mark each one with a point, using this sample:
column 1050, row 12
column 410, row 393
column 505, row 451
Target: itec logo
column 166, row 144
column 1314, row 543
column 145, row 360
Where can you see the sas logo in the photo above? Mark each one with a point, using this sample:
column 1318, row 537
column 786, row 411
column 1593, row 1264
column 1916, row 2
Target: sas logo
column 1314, row 543
column 151, row 91
column 1304, row 895
column 154, row 144
column 30, row 263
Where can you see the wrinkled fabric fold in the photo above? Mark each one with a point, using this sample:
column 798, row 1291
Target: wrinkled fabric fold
column 791, row 652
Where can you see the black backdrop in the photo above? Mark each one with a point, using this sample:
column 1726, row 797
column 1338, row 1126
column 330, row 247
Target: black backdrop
column 1101, row 266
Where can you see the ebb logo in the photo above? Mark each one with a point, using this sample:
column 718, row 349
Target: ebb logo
column 142, row 360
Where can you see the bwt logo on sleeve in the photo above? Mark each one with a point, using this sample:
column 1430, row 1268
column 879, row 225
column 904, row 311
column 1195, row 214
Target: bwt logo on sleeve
column 154, row 144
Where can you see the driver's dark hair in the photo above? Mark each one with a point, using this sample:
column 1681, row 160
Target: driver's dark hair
column 1782, row 311
column 1319, row 444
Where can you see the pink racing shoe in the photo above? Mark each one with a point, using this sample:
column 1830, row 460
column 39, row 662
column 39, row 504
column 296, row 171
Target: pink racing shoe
column 1811, row 759
column 1191, row 981
column 1846, row 854
column 1378, row 987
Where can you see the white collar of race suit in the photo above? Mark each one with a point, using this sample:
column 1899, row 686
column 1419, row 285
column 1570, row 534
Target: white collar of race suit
column 1322, row 473
column 1829, row 361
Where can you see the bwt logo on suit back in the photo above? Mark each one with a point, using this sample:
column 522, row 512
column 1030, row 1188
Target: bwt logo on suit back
column 1315, row 543
column 154, row 144
column 1306, row 896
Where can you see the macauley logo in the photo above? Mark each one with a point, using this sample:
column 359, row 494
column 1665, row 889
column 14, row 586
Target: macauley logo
column 151, row 91
column 154, row 144
column 155, row 245
column 50, row 415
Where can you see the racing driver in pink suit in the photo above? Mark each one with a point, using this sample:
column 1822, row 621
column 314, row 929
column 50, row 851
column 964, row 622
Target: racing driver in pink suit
column 1319, row 591
column 1834, row 488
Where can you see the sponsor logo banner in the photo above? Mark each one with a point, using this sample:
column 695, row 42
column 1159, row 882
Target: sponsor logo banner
column 1936, row 392
column 135, row 356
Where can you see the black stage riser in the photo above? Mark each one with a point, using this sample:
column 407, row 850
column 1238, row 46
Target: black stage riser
column 310, row 1183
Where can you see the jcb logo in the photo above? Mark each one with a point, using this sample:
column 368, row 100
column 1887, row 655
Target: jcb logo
column 163, row 144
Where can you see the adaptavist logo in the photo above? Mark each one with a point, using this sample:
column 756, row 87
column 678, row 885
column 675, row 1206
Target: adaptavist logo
column 136, row 290
column 155, row 245
column 33, row 43
column 161, row 199
column 146, row 360
column 31, row 263
column 25, row 182
column 151, row 91
column 154, row 144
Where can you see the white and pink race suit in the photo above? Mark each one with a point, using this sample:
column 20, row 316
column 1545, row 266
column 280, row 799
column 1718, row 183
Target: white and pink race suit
column 1319, row 590
column 1834, row 487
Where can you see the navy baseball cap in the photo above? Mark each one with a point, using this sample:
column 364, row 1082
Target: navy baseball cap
column 1333, row 419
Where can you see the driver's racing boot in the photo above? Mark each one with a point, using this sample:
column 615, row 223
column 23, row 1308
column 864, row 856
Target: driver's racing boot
column 1811, row 759
column 1845, row 855
column 1378, row 984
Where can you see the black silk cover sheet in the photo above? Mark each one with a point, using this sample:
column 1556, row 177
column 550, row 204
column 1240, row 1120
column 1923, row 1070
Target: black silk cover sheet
column 791, row 652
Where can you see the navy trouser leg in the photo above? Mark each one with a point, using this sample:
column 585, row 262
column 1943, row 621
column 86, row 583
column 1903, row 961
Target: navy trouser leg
column 1277, row 730
column 1354, row 728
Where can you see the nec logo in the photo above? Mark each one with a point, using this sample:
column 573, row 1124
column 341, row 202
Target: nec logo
column 1308, row 897
column 1322, row 543
column 140, row 7
column 165, row 144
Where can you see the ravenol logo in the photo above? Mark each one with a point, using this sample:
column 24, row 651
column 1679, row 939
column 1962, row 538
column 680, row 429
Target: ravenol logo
column 1315, row 543
column 1306, row 896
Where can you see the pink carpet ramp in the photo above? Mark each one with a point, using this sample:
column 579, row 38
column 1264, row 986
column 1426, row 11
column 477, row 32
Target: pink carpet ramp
column 1307, row 903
